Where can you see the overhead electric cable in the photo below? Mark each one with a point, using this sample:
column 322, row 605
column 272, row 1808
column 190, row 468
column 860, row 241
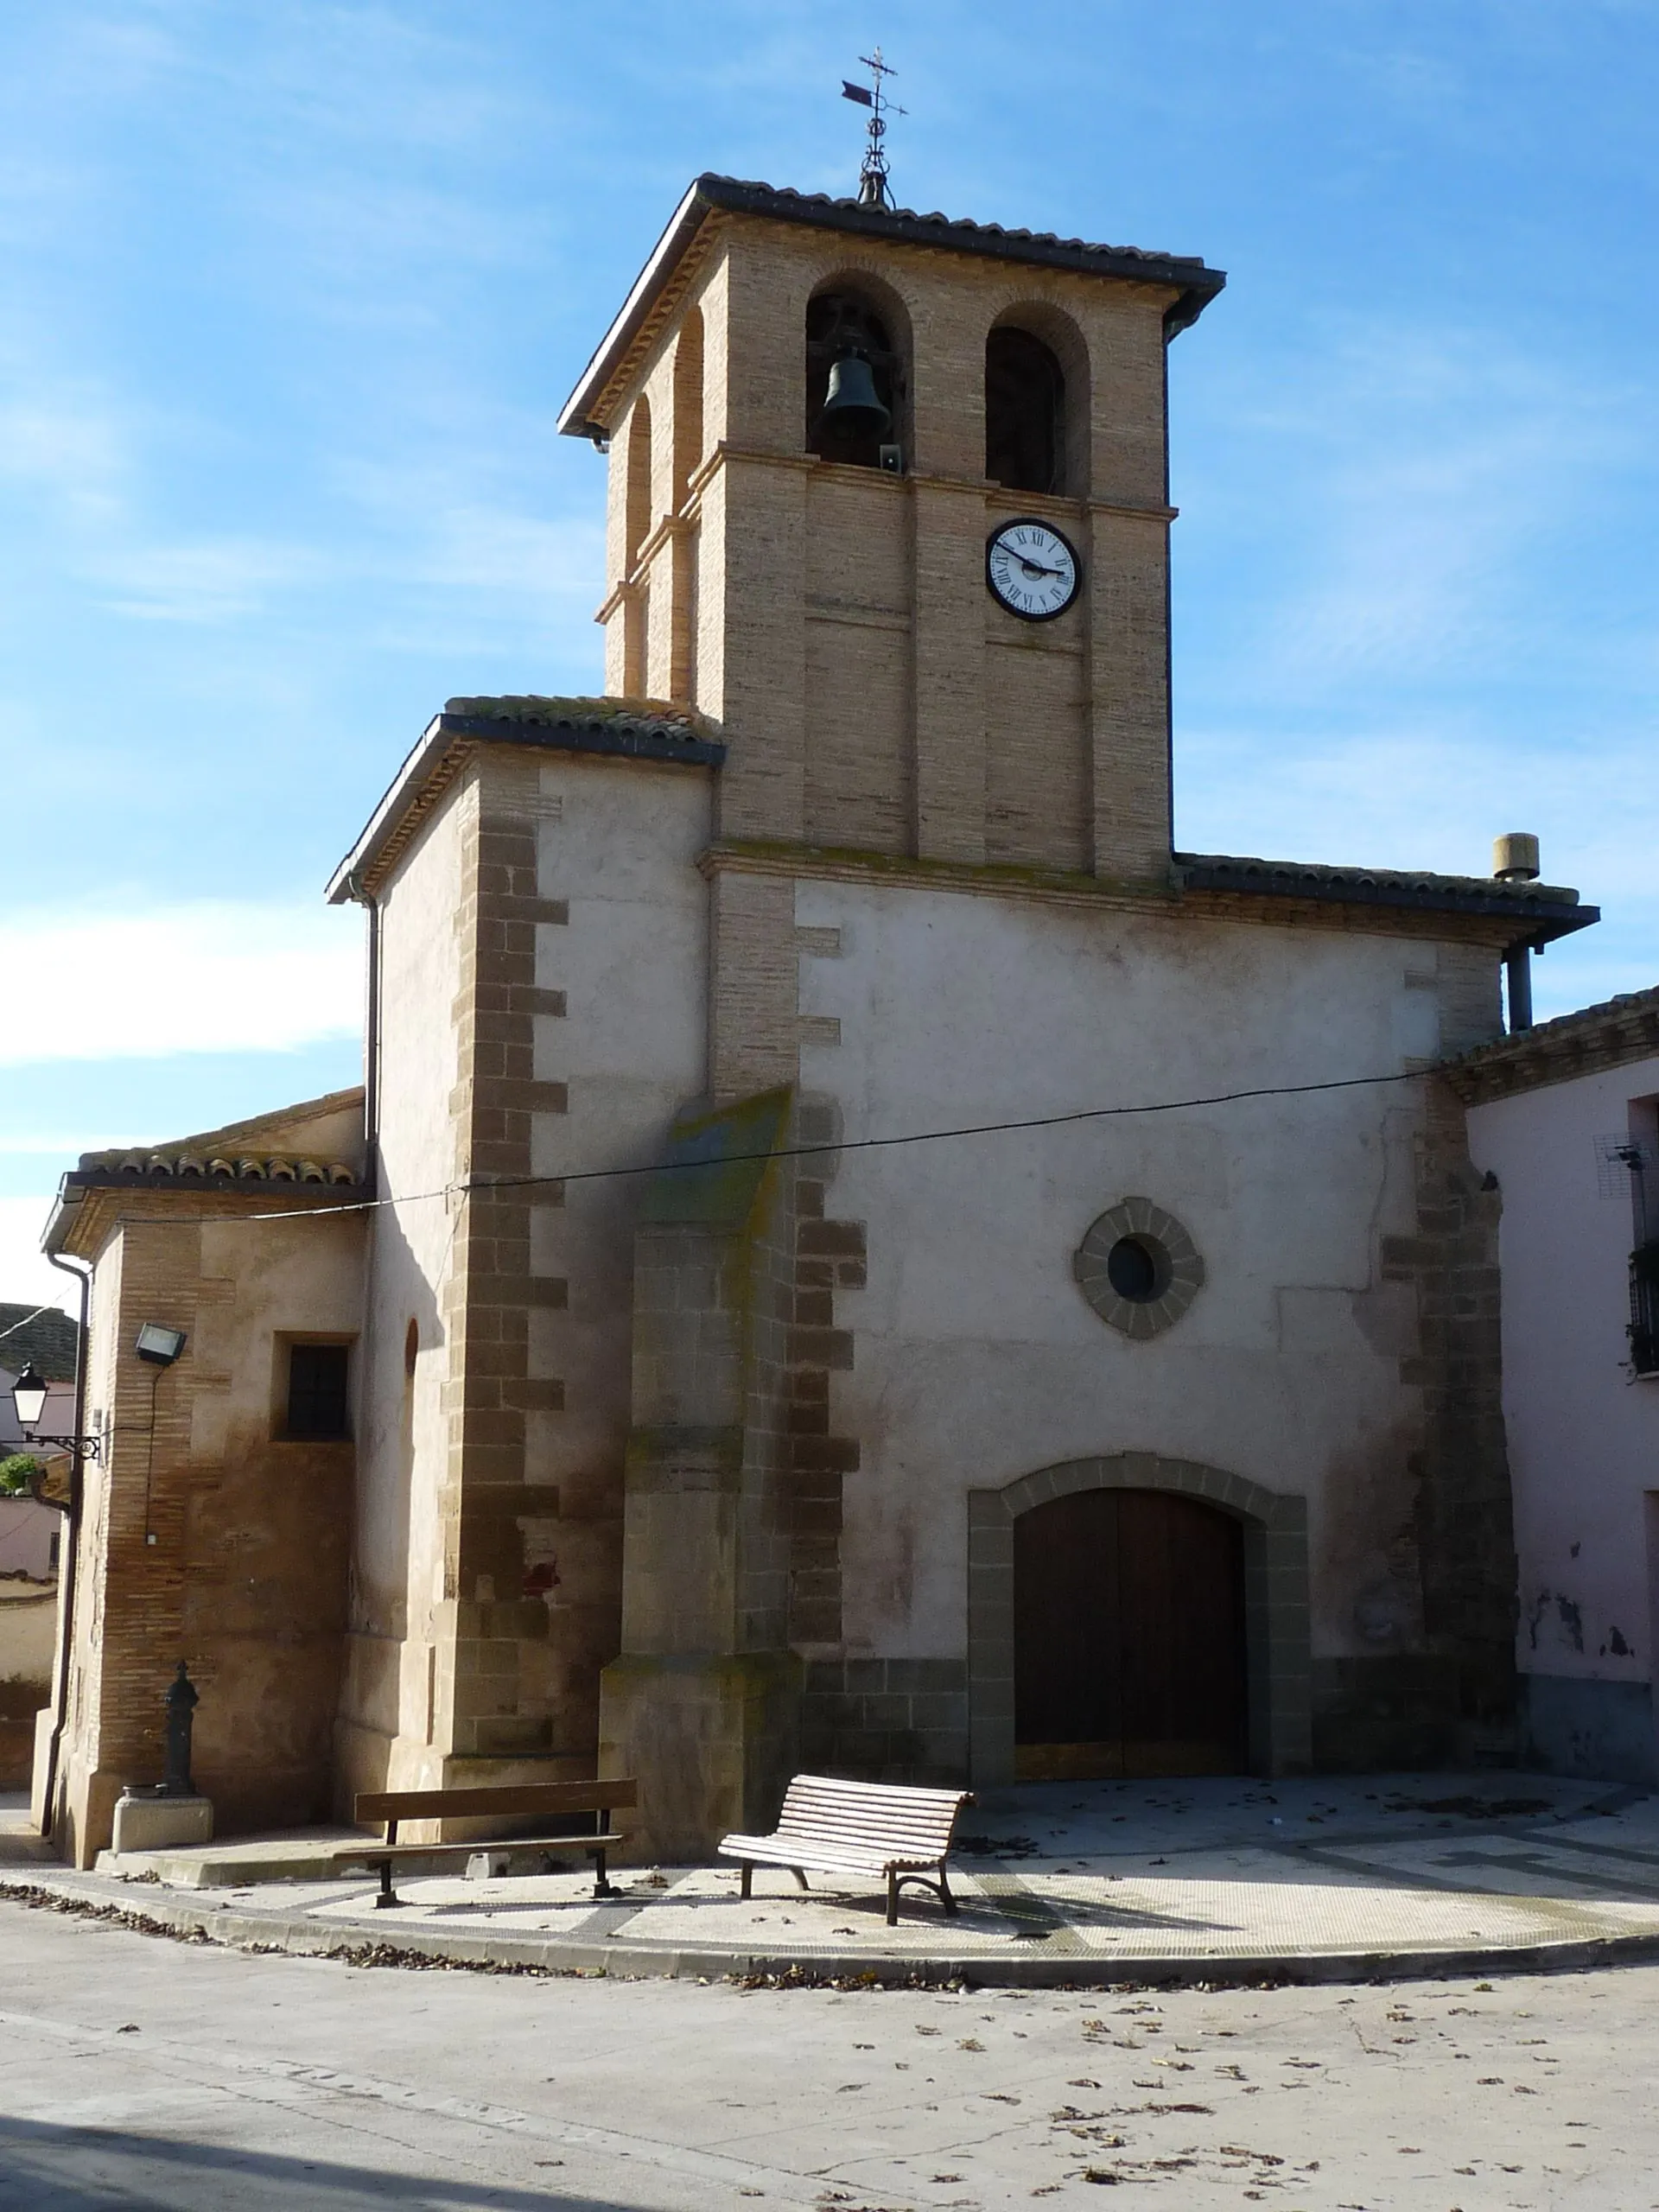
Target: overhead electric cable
column 813, row 1151
column 28, row 1318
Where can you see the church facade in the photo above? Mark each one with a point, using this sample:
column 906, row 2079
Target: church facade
column 852, row 1252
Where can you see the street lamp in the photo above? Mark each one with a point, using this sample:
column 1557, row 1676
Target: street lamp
column 29, row 1394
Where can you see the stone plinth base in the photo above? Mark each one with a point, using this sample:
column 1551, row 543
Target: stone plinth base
column 155, row 1824
column 712, row 1737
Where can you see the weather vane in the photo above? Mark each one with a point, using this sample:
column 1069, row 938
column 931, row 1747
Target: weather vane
column 872, row 177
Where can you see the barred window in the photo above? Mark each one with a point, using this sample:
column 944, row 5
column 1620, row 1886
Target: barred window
column 319, row 1405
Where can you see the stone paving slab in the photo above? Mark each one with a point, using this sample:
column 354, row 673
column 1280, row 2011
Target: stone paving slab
column 1059, row 1882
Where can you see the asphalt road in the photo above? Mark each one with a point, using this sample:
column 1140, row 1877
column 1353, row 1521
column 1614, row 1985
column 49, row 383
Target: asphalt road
column 135, row 2071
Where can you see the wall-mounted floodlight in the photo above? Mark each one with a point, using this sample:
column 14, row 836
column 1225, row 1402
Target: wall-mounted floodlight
column 160, row 1346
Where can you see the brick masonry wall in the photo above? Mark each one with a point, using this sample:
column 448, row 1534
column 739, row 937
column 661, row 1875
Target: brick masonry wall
column 754, row 1036
column 206, row 1535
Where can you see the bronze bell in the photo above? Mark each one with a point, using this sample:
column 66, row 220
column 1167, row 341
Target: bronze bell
column 852, row 406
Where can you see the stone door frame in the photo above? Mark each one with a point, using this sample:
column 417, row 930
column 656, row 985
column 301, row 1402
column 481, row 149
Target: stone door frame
column 1276, row 1600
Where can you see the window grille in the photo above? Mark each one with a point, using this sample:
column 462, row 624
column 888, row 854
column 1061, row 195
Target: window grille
column 318, row 1401
column 1644, row 1308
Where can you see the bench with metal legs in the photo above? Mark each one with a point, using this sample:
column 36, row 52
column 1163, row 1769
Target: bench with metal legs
column 599, row 1799
column 862, row 1830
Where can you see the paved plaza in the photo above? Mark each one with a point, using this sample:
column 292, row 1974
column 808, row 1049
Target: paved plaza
column 1058, row 1883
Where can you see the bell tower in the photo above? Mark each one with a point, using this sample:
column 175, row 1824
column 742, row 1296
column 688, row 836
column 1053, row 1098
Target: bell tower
column 889, row 500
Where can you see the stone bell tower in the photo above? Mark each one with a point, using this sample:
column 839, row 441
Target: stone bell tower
column 816, row 578
column 888, row 505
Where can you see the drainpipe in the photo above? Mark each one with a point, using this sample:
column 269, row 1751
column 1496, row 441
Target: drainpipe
column 69, row 1549
column 372, row 1040
column 1517, row 983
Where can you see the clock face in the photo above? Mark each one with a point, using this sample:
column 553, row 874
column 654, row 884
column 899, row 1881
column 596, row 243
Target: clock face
column 1031, row 569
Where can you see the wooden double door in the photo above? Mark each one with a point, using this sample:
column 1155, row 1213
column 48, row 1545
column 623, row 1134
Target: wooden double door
column 1129, row 1637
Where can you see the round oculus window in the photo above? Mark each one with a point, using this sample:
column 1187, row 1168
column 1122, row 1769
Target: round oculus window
column 1138, row 1267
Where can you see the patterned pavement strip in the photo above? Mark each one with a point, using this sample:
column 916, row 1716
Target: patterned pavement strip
column 1520, row 1867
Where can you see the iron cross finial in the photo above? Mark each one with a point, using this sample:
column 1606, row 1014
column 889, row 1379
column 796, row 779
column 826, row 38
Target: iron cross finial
column 873, row 191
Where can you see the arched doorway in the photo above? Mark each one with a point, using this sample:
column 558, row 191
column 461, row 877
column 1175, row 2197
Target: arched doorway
column 1273, row 1532
column 1128, row 1636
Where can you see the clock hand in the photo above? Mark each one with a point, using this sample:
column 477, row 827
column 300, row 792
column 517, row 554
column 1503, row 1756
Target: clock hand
column 1031, row 568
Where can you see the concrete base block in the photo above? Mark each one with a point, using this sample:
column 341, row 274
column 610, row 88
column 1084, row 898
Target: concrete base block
column 487, row 1866
column 155, row 1824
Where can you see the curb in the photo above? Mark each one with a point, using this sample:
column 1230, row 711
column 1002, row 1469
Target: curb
column 365, row 1944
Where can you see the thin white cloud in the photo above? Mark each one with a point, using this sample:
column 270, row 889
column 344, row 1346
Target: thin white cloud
column 26, row 1276
column 1434, row 796
column 62, row 442
column 206, row 976
column 72, row 454
column 1426, row 486
column 215, row 581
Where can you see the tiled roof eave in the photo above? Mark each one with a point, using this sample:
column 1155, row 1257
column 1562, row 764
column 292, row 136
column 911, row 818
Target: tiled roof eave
column 585, row 413
column 1594, row 1041
column 288, row 1189
column 1538, row 913
column 613, row 730
column 619, row 742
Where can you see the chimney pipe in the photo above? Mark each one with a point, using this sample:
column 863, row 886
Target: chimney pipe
column 1515, row 857
column 1514, row 860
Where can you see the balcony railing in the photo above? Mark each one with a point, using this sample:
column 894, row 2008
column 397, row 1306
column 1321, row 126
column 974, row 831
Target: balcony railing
column 1644, row 1308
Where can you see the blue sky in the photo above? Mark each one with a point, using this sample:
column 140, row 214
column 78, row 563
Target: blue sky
column 294, row 295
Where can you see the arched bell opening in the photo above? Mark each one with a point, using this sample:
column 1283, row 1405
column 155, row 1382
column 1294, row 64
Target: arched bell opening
column 636, row 528
column 636, row 494
column 856, row 384
column 689, row 439
column 1025, row 412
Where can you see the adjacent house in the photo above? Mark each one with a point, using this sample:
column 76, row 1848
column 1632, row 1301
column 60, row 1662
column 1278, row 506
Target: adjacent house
column 30, row 1536
column 1564, row 1119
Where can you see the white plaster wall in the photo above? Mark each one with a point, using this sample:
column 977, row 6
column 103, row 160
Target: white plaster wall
column 397, row 1568
column 28, row 1629
column 264, row 1281
column 26, row 1529
column 1583, row 1438
column 619, row 841
column 976, row 1359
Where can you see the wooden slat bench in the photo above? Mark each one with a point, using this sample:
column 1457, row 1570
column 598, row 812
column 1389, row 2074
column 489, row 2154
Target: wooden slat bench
column 519, row 1802
column 860, row 1829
